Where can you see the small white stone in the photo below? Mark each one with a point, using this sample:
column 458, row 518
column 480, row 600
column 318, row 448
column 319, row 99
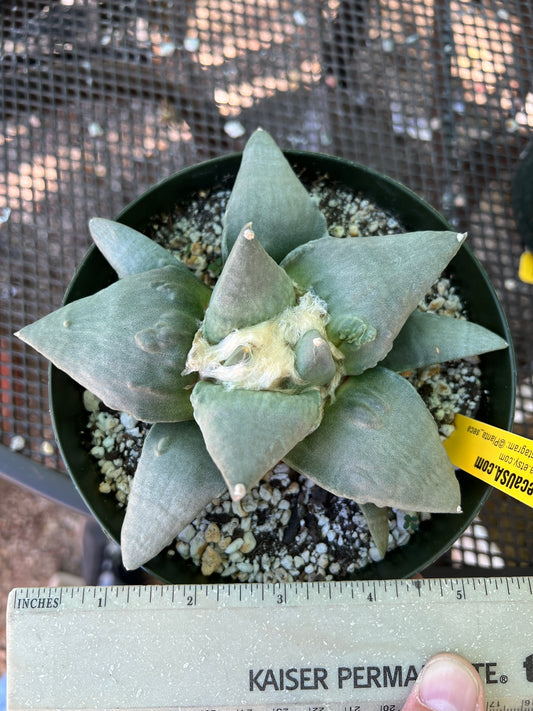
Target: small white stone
column 234, row 129
column 402, row 537
column 236, row 557
column 95, row 130
column 191, row 44
column 238, row 509
column 245, row 567
column 108, row 443
column 167, row 49
column 111, row 424
column 266, row 562
column 265, row 493
column 248, row 503
column 230, row 570
column 287, row 562
column 374, row 554
column 188, row 533
column 17, row 443
column 249, row 542
column 127, row 421
column 235, row 545
column 107, row 467
column 198, row 545
column 90, row 402
column 285, row 517
column 224, row 543
column 229, row 527
column 323, row 560
column 246, row 523
column 283, row 575
column 446, row 430
column 183, row 549
column 300, row 538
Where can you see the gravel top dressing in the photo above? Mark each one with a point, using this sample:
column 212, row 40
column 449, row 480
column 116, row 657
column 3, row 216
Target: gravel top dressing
column 286, row 528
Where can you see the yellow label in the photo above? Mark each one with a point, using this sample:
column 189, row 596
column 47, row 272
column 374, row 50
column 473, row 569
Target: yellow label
column 525, row 269
column 498, row 457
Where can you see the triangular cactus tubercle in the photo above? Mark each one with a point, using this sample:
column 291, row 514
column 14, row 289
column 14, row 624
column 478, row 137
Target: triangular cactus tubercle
column 428, row 338
column 268, row 193
column 377, row 520
column 377, row 443
column 247, row 432
column 129, row 251
column 131, row 358
column 174, row 480
column 251, row 288
column 379, row 280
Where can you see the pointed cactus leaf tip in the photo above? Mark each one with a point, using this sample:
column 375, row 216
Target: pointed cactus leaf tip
column 238, row 492
column 313, row 359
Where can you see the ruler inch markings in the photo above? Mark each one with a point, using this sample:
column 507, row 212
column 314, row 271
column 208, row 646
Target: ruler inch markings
column 260, row 647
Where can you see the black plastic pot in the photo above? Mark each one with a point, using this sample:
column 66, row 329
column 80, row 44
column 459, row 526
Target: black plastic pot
column 435, row 536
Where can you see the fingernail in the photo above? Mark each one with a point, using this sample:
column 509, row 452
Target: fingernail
column 447, row 684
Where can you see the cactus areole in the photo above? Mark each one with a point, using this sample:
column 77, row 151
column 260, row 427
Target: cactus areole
column 295, row 355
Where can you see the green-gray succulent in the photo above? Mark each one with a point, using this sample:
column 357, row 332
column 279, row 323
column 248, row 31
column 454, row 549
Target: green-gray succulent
column 295, row 355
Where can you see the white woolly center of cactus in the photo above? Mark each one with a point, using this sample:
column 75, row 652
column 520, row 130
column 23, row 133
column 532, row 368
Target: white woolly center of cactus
column 261, row 357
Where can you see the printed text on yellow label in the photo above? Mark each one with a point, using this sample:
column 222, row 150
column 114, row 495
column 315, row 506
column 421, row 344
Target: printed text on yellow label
column 500, row 458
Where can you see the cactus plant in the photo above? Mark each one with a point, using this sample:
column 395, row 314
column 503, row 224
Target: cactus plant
column 295, row 355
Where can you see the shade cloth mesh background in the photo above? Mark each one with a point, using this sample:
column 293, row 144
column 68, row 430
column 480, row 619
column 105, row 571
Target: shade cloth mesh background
column 100, row 99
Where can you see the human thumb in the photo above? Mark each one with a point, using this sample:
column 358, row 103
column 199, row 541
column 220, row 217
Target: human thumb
column 447, row 683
